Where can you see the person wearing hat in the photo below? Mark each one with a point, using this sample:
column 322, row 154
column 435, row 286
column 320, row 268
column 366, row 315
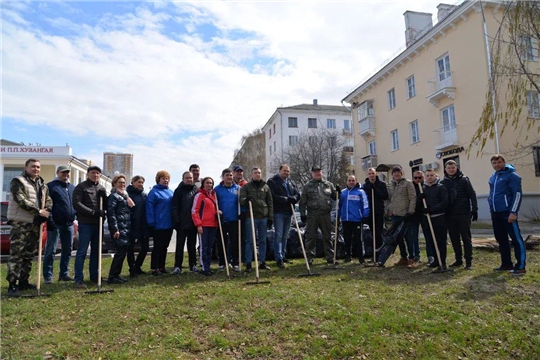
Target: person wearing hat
column 238, row 176
column 315, row 208
column 86, row 202
column 59, row 225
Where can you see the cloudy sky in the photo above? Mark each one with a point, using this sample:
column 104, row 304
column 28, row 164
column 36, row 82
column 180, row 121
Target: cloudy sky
column 177, row 83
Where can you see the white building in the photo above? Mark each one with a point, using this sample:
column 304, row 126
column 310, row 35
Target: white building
column 287, row 123
column 14, row 155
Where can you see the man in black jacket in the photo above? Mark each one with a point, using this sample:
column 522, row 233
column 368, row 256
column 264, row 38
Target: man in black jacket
column 284, row 194
column 463, row 207
column 374, row 186
column 183, row 223
column 436, row 197
column 86, row 202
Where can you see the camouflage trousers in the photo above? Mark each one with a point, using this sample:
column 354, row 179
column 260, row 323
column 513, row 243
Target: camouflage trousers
column 24, row 240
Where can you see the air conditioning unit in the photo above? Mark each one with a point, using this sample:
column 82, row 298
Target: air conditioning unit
column 434, row 165
column 422, row 168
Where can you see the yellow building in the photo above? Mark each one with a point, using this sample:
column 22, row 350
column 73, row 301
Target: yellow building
column 422, row 108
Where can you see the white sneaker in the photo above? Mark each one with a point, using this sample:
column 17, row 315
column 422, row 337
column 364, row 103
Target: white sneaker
column 221, row 268
column 176, row 271
column 236, row 268
column 194, row 269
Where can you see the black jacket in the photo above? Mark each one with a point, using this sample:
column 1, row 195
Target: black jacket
column 61, row 193
column 119, row 217
column 86, row 201
column 181, row 206
column 139, row 228
column 462, row 197
column 381, row 194
column 280, row 196
column 436, row 197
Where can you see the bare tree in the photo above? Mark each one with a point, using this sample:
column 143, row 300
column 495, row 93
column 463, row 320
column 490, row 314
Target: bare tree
column 251, row 153
column 322, row 147
column 513, row 99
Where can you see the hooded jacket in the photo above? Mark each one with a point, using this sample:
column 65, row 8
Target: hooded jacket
column 61, row 193
column 263, row 205
column 353, row 204
column 461, row 194
column 436, row 198
column 204, row 211
column 86, row 201
column 139, row 229
column 181, row 206
column 402, row 197
column 505, row 190
column 280, row 194
column 228, row 198
column 159, row 207
column 381, row 194
column 119, row 216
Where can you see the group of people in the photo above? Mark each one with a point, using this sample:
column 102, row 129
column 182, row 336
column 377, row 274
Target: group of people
column 241, row 209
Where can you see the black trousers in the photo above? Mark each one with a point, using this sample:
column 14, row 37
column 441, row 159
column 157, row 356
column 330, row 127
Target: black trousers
column 181, row 236
column 230, row 234
column 379, row 221
column 459, row 229
column 439, row 228
column 135, row 264
column 118, row 260
column 352, row 234
column 162, row 238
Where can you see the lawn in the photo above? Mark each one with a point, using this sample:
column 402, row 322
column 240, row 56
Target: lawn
column 352, row 313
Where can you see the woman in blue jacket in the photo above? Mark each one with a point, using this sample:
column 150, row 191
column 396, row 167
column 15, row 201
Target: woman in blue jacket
column 159, row 219
column 353, row 208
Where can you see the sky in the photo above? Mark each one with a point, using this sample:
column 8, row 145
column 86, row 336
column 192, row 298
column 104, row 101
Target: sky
column 177, row 83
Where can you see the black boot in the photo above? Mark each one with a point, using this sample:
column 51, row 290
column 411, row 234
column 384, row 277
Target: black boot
column 25, row 285
column 13, row 290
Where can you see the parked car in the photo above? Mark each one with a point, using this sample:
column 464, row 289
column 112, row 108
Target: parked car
column 108, row 244
column 5, row 244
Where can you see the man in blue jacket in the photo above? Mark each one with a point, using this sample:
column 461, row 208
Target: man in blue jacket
column 227, row 195
column 353, row 208
column 504, row 201
column 59, row 225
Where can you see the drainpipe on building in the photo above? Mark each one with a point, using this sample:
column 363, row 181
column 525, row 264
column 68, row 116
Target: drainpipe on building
column 491, row 82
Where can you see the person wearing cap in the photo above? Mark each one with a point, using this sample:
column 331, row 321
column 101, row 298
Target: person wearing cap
column 29, row 207
column 89, row 210
column 402, row 205
column 238, row 175
column 315, row 209
column 59, row 225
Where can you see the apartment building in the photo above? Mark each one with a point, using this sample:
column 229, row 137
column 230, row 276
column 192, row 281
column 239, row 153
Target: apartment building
column 422, row 108
column 287, row 125
column 117, row 163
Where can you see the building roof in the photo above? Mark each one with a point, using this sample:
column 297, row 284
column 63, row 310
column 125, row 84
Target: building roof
column 9, row 142
column 311, row 107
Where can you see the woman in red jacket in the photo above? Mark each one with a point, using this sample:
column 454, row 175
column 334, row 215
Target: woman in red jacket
column 204, row 215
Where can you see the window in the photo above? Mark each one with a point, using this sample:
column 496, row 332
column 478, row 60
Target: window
column 347, row 125
column 351, row 160
column 311, row 140
column 293, row 122
column 312, row 123
column 528, row 48
column 274, row 129
column 275, row 148
column 536, row 157
column 413, row 129
column 443, row 68
column 448, row 119
column 533, row 103
column 331, row 123
column 332, row 141
column 395, row 140
column 270, row 149
column 411, row 89
column 293, row 140
column 372, row 148
column 269, row 133
column 391, row 99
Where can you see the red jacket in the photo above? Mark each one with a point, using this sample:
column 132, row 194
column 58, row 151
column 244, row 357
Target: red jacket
column 204, row 211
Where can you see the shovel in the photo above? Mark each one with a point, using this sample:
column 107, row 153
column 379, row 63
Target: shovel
column 336, row 235
column 374, row 264
column 222, row 240
column 309, row 273
column 257, row 281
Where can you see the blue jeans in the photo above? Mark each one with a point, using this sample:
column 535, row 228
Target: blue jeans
column 282, row 224
column 261, row 227
column 207, row 243
column 88, row 236
column 65, row 234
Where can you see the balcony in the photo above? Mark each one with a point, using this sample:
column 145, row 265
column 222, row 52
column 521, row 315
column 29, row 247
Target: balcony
column 348, row 149
column 441, row 86
column 446, row 137
column 367, row 126
column 347, row 132
column 369, row 161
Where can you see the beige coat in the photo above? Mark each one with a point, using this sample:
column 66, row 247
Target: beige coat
column 401, row 197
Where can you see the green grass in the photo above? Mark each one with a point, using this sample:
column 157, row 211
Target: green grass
column 354, row 313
